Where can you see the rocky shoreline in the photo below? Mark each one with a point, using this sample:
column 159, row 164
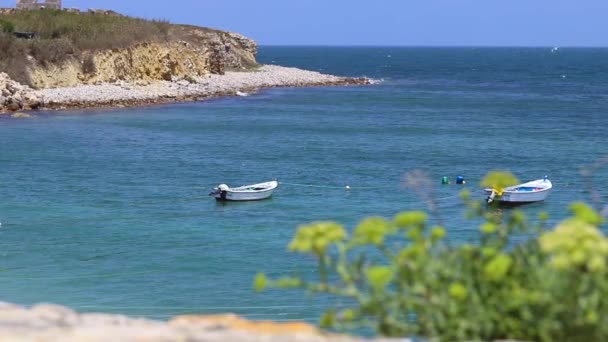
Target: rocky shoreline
column 16, row 97
column 48, row 322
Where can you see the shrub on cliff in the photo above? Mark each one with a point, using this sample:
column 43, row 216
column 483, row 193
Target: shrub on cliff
column 61, row 35
column 402, row 278
column 6, row 26
column 88, row 65
column 13, row 57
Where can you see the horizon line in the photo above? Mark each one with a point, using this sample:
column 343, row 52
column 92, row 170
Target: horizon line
column 438, row 46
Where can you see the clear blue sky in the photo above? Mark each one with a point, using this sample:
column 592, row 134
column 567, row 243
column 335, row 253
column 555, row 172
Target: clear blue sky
column 384, row 22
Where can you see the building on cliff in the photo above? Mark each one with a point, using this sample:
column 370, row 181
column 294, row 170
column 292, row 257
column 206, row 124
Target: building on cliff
column 34, row 4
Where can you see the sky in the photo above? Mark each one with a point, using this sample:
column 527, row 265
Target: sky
column 384, row 22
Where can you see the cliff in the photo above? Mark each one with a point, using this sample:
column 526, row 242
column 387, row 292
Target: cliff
column 71, row 49
column 200, row 52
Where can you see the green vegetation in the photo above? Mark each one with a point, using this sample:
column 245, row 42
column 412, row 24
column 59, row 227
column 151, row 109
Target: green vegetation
column 88, row 31
column 61, row 35
column 403, row 279
column 6, row 26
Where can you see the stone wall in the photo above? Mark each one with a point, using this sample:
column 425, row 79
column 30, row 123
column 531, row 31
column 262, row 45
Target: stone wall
column 26, row 4
column 34, row 4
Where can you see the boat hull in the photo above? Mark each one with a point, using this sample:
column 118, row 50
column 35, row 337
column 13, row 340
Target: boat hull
column 534, row 191
column 239, row 196
column 518, row 197
column 253, row 192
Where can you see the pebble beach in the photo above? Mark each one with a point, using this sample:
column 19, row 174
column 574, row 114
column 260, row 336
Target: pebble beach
column 233, row 83
column 127, row 94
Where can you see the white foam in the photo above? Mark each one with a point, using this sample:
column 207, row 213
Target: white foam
column 376, row 80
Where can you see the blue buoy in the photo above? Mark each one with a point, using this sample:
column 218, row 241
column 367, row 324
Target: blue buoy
column 460, row 180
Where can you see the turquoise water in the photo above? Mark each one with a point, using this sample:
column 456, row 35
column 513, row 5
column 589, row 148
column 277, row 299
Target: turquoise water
column 107, row 210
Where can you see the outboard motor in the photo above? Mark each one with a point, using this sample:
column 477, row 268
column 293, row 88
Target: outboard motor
column 490, row 197
column 223, row 191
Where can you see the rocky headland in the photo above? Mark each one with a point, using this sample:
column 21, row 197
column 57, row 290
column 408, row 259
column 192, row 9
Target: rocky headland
column 155, row 63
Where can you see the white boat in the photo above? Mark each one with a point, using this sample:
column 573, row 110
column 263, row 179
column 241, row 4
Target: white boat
column 534, row 191
column 251, row 192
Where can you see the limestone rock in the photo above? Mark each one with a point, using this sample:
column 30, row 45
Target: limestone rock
column 19, row 115
column 14, row 95
column 199, row 52
column 13, row 105
column 31, row 101
column 56, row 323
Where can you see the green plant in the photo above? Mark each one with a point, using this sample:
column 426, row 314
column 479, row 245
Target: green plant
column 13, row 57
column 52, row 51
column 62, row 35
column 88, row 31
column 7, row 26
column 403, row 279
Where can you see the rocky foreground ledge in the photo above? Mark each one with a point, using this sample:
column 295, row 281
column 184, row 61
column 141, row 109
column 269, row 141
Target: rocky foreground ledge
column 17, row 97
column 57, row 323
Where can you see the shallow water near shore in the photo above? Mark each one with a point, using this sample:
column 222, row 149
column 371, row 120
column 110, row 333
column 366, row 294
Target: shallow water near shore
column 108, row 210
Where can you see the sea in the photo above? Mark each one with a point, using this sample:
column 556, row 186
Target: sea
column 108, row 210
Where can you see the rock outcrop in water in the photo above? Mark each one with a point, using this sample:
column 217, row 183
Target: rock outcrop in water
column 15, row 96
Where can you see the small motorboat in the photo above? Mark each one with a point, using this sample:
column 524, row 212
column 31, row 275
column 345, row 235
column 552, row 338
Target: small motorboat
column 534, row 191
column 252, row 192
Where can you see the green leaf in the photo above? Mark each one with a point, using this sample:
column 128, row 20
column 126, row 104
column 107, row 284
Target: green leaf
column 372, row 230
column 438, row 233
column 585, row 213
column 328, row 320
column 488, row 228
column 458, row 291
column 259, row 284
column 465, row 195
column 348, row 315
column 499, row 180
column 289, row 282
column 497, row 268
column 379, row 276
column 317, row 237
column 410, row 218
